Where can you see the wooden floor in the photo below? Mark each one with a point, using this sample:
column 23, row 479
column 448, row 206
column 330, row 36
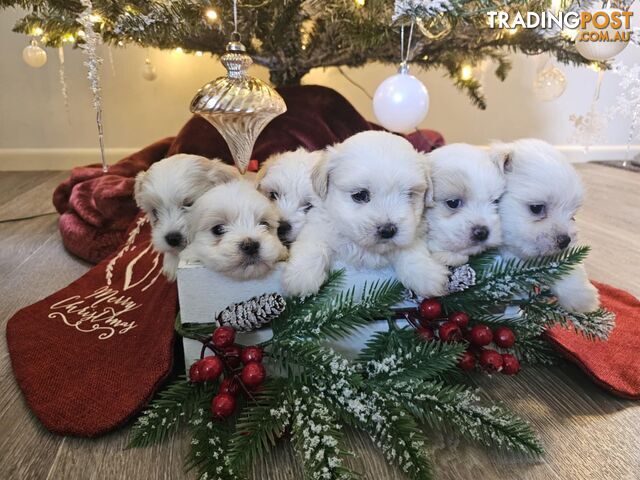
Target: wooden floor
column 588, row 433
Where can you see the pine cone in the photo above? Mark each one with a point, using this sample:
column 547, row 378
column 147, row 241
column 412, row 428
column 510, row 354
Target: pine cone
column 461, row 278
column 252, row 314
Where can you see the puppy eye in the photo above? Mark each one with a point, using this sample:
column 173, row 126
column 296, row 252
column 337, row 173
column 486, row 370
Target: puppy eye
column 274, row 195
column 218, row 230
column 537, row 208
column 361, row 196
column 454, row 203
column 306, row 207
column 573, row 219
column 187, row 203
column 265, row 224
column 496, row 201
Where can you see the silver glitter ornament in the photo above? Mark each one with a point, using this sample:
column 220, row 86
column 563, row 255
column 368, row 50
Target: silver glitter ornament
column 238, row 105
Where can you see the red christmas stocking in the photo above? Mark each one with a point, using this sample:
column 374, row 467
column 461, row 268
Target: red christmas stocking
column 615, row 363
column 91, row 355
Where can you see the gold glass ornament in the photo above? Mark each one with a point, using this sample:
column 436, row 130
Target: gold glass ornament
column 33, row 55
column 238, row 105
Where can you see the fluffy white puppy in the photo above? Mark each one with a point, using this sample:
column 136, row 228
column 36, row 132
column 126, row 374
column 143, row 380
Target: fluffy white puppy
column 462, row 216
column 537, row 211
column 372, row 189
column 166, row 192
column 285, row 178
column 235, row 231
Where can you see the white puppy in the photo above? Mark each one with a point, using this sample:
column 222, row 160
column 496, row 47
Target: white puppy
column 372, row 188
column 463, row 217
column 235, row 231
column 166, row 192
column 537, row 211
column 285, row 178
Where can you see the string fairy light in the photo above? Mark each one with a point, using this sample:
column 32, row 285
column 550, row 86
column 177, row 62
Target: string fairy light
column 466, row 72
column 211, row 15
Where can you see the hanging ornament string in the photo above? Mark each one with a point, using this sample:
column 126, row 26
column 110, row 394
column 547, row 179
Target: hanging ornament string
column 93, row 62
column 404, row 57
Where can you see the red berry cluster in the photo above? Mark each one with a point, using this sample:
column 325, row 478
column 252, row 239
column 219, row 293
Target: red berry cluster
column 431, row 324
column 242, row 368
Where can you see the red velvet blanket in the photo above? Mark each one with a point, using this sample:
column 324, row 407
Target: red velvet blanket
column 96, row 209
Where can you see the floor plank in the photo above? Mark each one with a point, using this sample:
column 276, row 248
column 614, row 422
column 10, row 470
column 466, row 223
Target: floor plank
column 588, row 433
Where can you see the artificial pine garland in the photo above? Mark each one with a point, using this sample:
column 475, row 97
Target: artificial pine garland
column 398, row 388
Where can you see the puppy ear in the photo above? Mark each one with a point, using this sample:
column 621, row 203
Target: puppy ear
column 502, row 155
column 426, row 166
column 320, row 175
column 263, row 171
column 137, row 186
column 220, row 173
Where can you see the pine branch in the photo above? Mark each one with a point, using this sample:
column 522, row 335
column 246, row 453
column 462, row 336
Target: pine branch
column 317, row 438
column 346, row 312
column 209, row 446
column 167, row 412
column 456, row 408
column 398, row 356
column 596, row 325
column 301, row 358
column 499, row 283
column 261, row 424
column 300, row 307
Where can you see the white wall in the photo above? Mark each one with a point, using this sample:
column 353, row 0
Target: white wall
column 36, row 131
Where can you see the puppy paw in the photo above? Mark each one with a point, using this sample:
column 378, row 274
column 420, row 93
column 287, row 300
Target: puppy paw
column 451, row 259
column 426, row 279
column 583, row 300
column 298, row 281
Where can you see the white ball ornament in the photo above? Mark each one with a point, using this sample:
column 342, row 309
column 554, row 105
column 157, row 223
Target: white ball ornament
column 149, row 71
column 34, row 56
column 590, row 48
column 401, row 102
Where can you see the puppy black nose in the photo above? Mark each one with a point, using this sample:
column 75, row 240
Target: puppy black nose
column 479, row 233
column 173, row 239
column 284, row 228
column 249, row 246
column 388, row 230
column 563, row 241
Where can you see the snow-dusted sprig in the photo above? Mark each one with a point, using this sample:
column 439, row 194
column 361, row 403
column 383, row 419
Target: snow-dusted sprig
column 317, row 438
column 261, row 424
column 209, row 446
column 391, row 428
column 167, row 413
column 595, row 325
column 456, row 408
column 414, row 9
column 400, row 355
column 500, row 282
column 346, row 312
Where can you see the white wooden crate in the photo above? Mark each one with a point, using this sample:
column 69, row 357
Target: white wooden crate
column 204, row 293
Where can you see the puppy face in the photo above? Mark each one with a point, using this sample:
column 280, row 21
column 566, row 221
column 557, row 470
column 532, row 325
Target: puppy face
column 236, row 231
column 285, row 179
column 373, row 188
column 542, row 197
column 467, row 185
column 168, row 190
